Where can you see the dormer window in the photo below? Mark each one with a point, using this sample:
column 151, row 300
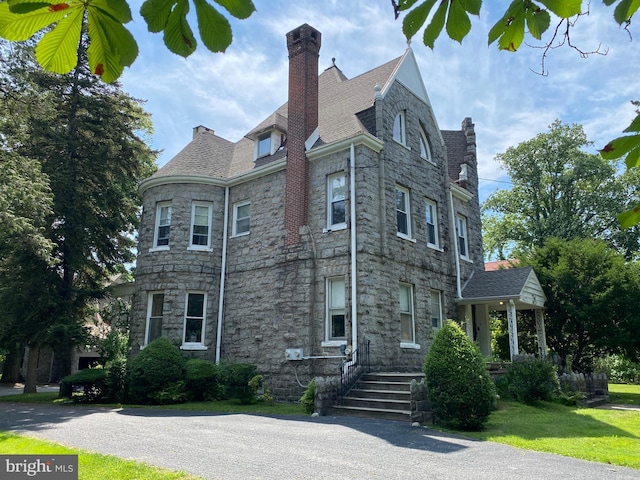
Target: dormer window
column 264, row 145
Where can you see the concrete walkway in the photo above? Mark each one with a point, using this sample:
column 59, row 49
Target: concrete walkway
column 246, row 447
column 18, row 388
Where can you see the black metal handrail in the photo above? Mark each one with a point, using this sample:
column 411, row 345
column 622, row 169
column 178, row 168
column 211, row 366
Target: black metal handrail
column 354, row 367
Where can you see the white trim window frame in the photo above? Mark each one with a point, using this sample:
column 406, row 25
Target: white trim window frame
column 195, row 315
column 425, row 147
column 403, row 212
column 400, row 128
column 336, row 319
column 200, row 234
column 336, row 201
column 263, row 145
column 407, row 316
column 436, row 310
column 241, row 219
column 162, row 227
column 461, row 236
column 155, row 309
column 431, row 218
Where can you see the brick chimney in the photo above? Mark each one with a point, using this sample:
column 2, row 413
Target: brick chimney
column 303, row 44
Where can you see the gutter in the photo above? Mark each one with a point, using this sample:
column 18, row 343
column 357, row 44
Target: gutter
column 455, row 245
column 223, row 271
column 352, row 225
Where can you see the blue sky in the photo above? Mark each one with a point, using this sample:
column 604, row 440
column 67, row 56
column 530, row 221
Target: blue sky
column 508, row 101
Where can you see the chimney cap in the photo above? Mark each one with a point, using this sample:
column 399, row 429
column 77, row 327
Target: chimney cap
column 304, row 33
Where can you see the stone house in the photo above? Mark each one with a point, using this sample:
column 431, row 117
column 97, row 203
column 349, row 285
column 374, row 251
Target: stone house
column 345, row 216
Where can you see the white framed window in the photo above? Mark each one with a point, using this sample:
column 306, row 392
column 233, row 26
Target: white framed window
column 425, row 148
column 163, row 226
column 200, row 226
column 403, row 212
column 336, row 201
column 194, row 321
column 431, row 218
column 264, row 145
column 407, row 323
column 155, row 308
column 461, row 233
column 399, row 129
column 241, row 218
column 436, row 309
column 336, row 324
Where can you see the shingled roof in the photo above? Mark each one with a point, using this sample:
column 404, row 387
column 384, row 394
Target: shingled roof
column 519, row 284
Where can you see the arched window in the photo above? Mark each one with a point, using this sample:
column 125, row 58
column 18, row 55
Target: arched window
column 425, row 149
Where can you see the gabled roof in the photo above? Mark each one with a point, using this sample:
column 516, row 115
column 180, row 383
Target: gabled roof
column 493, row 287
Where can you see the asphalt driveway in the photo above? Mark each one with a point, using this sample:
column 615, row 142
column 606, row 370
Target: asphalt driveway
column 243, row 447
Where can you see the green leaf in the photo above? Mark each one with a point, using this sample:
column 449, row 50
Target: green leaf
column 215, row 30
column 472, row 6
column 18, row 27
column 620, row 146
column 156, row 13
column 58, row 50
column 630, row 218
column 111, row 45
column 633, row 158
column 238, row 8
column 500, row 28
column 458, row 23
column 435, row 27
column 118, row 9
column 178, row 36
column 635, row 125
column 405, row 4
column 624, row 10
column 414, row 20
column 563, row 8
column 513, row 34
column 20, row 7
column 538, row 22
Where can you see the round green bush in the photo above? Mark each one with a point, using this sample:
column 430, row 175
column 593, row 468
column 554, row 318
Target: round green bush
column 530, row 379
column 154, row 369
column 460, row 390
column 201, row 380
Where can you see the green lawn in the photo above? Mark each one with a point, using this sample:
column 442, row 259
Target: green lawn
column 599, row 435
column 91, row 466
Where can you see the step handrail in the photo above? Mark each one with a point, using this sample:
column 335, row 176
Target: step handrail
column 352, row 369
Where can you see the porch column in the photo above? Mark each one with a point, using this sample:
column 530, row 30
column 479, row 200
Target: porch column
column 513, row 329
column 542, row 336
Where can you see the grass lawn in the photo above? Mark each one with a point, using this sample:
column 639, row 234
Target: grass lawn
column 91, row 466
column 600, row 435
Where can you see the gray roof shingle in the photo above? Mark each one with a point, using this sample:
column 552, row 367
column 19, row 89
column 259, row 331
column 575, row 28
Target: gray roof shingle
column 507, row 282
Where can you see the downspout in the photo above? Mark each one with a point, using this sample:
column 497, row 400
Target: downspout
column 455, row 244
column 352, row 225
column 223, row 270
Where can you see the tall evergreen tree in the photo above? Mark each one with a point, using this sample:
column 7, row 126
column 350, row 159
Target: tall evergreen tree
column 89, row 141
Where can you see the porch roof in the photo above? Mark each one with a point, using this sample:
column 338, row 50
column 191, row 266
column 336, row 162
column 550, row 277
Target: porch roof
column 498, row 286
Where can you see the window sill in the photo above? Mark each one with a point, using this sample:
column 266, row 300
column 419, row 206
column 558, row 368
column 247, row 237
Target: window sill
column 191, row 346
column 243, row 234
column 397, row 142
column 466, row 259
column 192, row 248
column 335, row 228
column 406, row 237
column 159, row 249
column 435, row 247
column 333, row 343
column 410, row 345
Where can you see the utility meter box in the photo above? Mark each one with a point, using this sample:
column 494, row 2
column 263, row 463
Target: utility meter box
column 293, row 354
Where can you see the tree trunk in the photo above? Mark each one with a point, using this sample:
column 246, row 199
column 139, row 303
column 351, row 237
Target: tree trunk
column 11, row 368
column 30, row 382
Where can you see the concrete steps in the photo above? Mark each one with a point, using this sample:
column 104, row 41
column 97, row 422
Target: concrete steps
column 384, row 395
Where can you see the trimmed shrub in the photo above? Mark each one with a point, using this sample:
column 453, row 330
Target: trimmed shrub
column 530, row 379
column 116, row 380
column 460, row 390
column 85, row 386
column 235, row 378
column 201, row 380
column 308, row 398
column 154, row 369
